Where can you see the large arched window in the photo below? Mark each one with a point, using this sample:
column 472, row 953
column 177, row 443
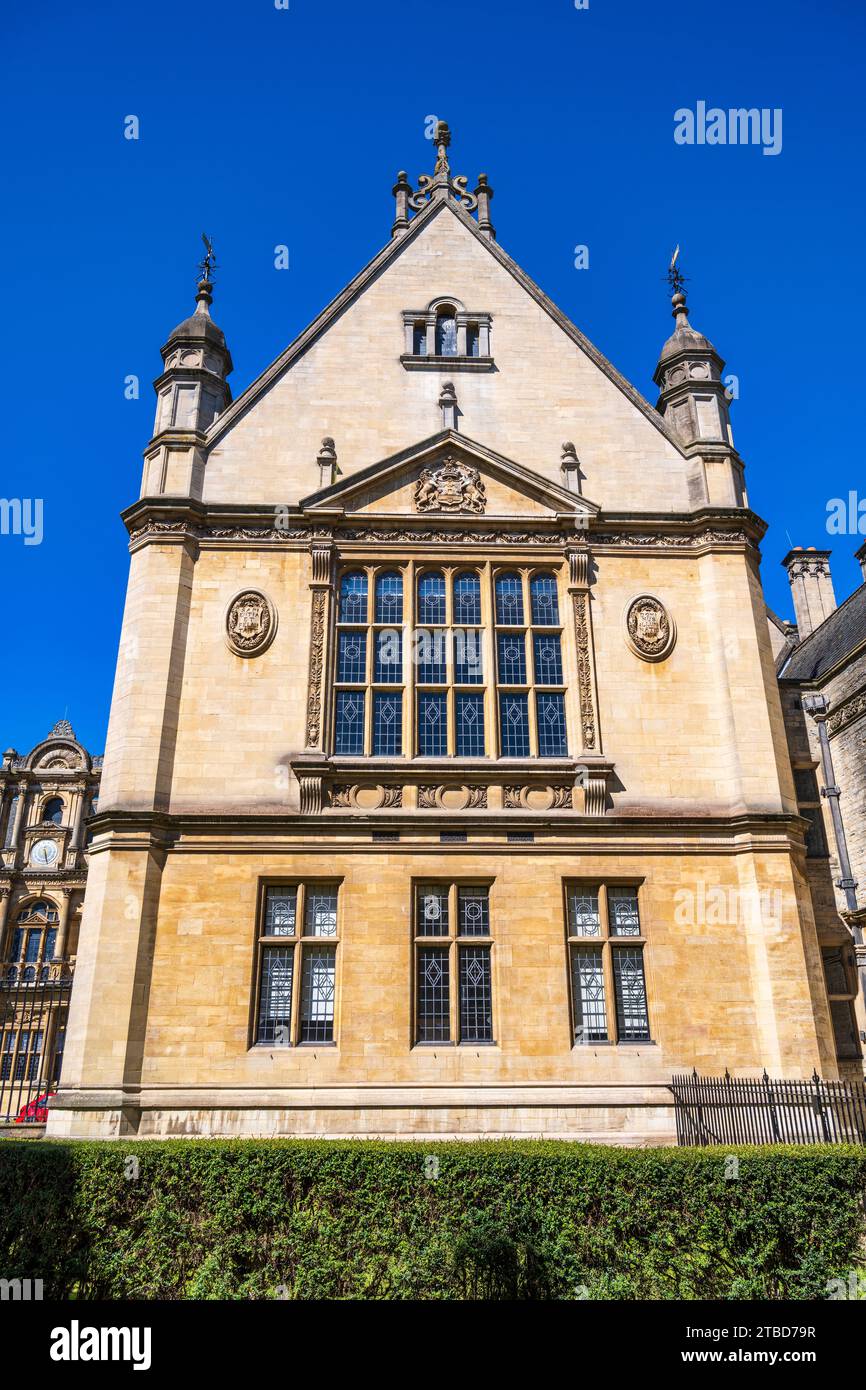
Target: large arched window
column 32, row 940
column 52, row 811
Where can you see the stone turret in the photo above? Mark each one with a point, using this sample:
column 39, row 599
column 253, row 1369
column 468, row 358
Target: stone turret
column 694, row 402
column 191, row 392
column 811, row 587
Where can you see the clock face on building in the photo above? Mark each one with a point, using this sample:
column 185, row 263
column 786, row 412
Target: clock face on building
column 43, row 853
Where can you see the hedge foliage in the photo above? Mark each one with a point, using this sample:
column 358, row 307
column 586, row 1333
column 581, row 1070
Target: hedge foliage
column 502, row 1220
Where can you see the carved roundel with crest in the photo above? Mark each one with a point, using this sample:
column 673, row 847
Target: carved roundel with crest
column 650, row 629
column 251, row 623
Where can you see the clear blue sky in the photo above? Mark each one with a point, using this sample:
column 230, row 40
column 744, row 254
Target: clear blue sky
column 265, row 126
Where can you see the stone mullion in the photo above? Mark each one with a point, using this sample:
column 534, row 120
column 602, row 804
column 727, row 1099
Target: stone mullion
column 590, row 733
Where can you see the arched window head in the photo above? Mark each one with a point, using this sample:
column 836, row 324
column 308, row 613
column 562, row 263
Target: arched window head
column 353, row 597
column 509, row 599
column 467, row 599
column 446, row 333
column 431, row 598
column 389, row 597
column 52, row 811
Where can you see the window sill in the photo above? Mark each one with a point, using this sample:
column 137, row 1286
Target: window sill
column 455, row 363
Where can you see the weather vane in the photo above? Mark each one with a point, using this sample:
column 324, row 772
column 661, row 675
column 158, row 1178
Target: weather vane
column 208, row 262
column 675, row 277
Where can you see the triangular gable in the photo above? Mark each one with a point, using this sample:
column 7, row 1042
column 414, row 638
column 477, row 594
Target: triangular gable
column 375, row 267
column 508, row 488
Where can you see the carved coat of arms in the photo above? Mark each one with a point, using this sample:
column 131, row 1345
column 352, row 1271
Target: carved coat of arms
column 650, row 628
column 250, row 623
column 453, row 487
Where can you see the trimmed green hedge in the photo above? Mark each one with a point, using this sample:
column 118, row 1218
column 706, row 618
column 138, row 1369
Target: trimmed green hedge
column 324, row 1219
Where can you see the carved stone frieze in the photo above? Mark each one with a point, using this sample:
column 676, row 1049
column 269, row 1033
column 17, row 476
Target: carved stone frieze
column 316, row 666
column 537, row 797
column 364, row 797
column 846, row 713
column 585, row 693
column 451, row 797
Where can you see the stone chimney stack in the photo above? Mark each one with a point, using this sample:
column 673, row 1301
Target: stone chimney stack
column 811, row 587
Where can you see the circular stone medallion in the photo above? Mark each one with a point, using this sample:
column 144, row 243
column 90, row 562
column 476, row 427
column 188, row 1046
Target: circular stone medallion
column 251, row 623
column 650, row 629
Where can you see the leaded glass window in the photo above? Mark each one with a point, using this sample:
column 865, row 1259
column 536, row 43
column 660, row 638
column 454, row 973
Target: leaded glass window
column 550, row 711
column 473, row 906
column 587, row 986
column 537, row 727
column 34, row 936
column 632, row 1022
column 387, row 725
column 469, row 711
column 544, row 601
column 458, row 916
column 434, row 1005
column 283, row 1017
column 350, row 722
column 352, row 657
column 467, row 599
column 432, row 725
column 430, row 693
column 584, row 913
column 608, row 986
column 509, row 599
column 476, row 1017
column 514, row 726
column 431, row 599
column 317, row 995
column 624, row 915
column 353, row 598
column 432, row 909
column 389, row 597
column 281, row 905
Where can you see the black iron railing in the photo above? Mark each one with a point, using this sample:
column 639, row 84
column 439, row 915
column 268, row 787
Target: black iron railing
column 758, row 1110
column 34, row 1006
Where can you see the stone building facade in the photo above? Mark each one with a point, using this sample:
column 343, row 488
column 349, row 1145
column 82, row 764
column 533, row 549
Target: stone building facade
column 446, row 788
column 46, row 799
column 821, row 660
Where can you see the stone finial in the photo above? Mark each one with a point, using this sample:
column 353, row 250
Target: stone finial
column 9, row 758
column 327, row 461
column 483, row 195
column 442, row 139
column 402, row 190
column 570, row 467
column 448, row 406
column 62, row 729
column 811, row 587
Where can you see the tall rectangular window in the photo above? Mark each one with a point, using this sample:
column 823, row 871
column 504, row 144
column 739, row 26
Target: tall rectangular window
column 433, row 724
column 607, row 980
column 453, row 942
column 532, row 722
column 297, row 945
column 350, row 722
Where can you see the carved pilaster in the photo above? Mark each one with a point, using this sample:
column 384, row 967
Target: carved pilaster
column 320, row 588
column 578, row 562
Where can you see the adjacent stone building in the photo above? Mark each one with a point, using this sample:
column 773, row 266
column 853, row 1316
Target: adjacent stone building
column 46, row 798
column 821, row 660
column 446, row 788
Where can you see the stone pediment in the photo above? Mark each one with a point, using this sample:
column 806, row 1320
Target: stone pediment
column 449, row 476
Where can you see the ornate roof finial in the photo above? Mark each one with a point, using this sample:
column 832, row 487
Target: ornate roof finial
column 441, row 186
column 207, row 265
column 442, row 139
column 62, row 729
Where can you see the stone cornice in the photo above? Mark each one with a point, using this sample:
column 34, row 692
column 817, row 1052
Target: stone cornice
column 180, row 520
column 710, row 832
